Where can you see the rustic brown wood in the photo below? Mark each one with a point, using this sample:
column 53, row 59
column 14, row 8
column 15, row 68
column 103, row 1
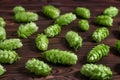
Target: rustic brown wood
column 17, row 71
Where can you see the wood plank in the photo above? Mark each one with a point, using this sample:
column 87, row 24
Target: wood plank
column 17, row 71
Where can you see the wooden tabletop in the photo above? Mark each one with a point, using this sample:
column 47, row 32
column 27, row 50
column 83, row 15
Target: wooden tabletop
column 17, row 71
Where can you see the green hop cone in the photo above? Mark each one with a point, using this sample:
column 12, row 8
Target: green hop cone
column 73, row 39
column 52, row 30
column 38, row 67
column 42, row 42
column 2, row 70
column 57, row 56
column 65, row 19
column 51, row 11
column 82, row 12
column 17, row 9
column 100, row 34
column 2, row 34
column 26, row 16
column 83, row 25
column 104, row 20
column 97, row 53
column 96, row 71
column 7, row 56
column 111, row 11
column 27, row 30
column 10, row 44
column 2, row 22
column 117, row 46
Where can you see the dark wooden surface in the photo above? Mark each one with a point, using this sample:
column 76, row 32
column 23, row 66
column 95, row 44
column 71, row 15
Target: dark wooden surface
column 17, row 70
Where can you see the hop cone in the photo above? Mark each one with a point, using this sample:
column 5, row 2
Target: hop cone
column 65, row 19
column 96, row 72
column 82, row 12
column 7, row 56
column 17, row 9
column 83, row 25
column 52, row 30
column 104, row 20
column 27, row 30
column 10, row 44
column 74, row 40
column 117, row 46
column 51, row 11
column 99, row 34
column 42, row 42
column 111, row 11
column 38, row 67
column 2, row 70
column 97, row 53
column 26, row 17
column 2, row 34
column 2, row 22
column 60, row 57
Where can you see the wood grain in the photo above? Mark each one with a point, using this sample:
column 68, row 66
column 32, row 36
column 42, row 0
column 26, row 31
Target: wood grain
column 17, row 70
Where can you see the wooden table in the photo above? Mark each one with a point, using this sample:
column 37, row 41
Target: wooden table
column 17, row 71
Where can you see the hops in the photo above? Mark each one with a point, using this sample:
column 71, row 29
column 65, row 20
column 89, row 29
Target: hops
column 74, row 40
column 2, row 22
column 27, row 30
column 104, row 20
column 65, row 19
column 117, row 46
column 99, row 34
column 38, row 67
column 82, row 12
column 10, row 44
column 26, row 17
column 97, row 53
column 7, row 56
column 17, row 9
column 96, row 72
column 55, row 55
column 52, row 30
column 2, row 70
column 2, row 33
column 60, row 57
column 83, row 25
column 111, row 11
column 51, row 11
column 42, row 42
